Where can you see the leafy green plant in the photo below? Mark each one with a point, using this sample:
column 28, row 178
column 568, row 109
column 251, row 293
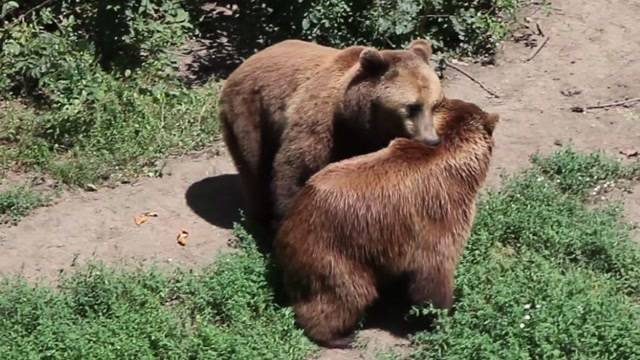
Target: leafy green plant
column 523, row 306
column 466, row 27
column 575, row 172
column 543, row 275
column 82, row 123
column 17, row 202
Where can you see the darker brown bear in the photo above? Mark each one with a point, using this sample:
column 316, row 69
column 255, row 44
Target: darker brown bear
column 294, row 107
column 404, row 210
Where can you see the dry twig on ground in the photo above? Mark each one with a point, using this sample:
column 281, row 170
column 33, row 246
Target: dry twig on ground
column 613, row 104
column 483, row 86
column 535, row 51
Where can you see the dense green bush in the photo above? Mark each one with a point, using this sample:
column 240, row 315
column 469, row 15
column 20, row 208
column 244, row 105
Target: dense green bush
column 124, row 34
column 462, row 27
column 468, row 27
column 82, row 122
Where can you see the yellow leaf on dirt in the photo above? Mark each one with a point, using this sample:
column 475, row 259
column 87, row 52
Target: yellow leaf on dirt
column 630, row 152
column 182, row 237
column 142, row 218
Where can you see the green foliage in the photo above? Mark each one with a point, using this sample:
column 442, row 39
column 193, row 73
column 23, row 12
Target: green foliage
column 524, row 307
column 543, row 275
column 17, row 202
column 463, row 27
column 387, row 355
column 225, row 312
column 82, row 123
column 466, row 27
column 576, row 172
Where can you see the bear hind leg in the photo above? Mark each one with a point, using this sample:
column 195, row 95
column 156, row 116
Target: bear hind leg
column 429, row 287
column 329, row 319
column 432, row 285
column 254, row 192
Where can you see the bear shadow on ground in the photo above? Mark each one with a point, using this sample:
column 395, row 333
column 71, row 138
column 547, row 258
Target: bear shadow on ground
column 217, row 199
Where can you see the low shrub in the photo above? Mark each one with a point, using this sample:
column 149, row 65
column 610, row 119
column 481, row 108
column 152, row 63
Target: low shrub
column 544, row 275
column 80, row 123
column 18, row 201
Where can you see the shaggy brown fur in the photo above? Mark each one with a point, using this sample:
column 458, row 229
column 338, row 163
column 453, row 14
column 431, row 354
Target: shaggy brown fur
column 294, row 107
column 405, row 210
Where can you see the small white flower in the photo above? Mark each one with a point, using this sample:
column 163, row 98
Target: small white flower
column 527, row 306
column 527, row 317
column 521, row 326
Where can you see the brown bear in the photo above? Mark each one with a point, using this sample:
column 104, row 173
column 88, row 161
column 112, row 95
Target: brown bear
column 404, row 211
column 295, row 106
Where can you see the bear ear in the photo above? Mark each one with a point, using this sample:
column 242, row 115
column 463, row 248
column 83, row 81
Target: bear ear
column 422, row 48
column 490, row 122
column 372, row 62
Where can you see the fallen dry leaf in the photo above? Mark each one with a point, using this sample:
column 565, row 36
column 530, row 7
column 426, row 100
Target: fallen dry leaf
column 182, row 237
column 142, row 218
column 630, row 152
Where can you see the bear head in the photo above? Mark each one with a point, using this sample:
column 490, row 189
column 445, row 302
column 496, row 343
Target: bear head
column 392, row 94
column 460, row 120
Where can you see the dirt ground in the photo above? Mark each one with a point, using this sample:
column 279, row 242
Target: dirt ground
column 591, row 58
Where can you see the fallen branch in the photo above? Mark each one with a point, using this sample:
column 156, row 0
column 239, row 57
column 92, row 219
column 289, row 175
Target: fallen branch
column 535, row 51
column 483, row 86
column 613, row 104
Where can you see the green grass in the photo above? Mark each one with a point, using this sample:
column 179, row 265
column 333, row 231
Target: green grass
column 543, row 275
column 226, row 311
column 17, row 202
column 577, row 173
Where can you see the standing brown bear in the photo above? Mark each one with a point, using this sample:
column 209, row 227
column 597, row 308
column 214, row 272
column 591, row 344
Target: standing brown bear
column 403, row 211
column 294, row 107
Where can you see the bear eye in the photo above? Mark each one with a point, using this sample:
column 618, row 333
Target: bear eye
column 414, row 110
